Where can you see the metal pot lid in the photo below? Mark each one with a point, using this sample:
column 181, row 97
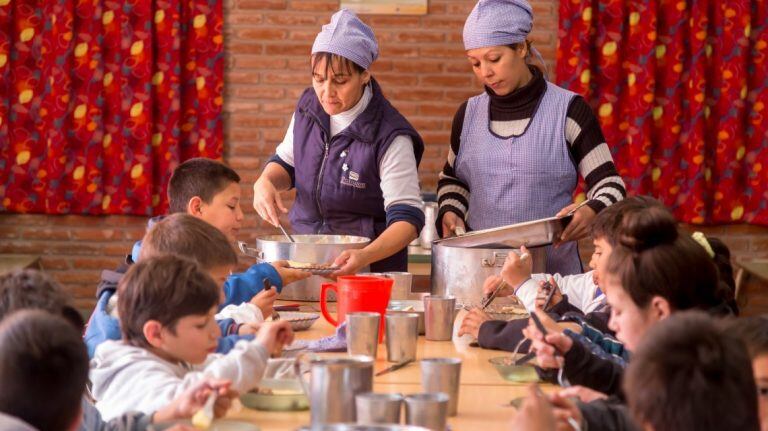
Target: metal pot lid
column 530, row 234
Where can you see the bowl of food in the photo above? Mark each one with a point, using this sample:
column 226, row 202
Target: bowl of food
column 276, row 395
column 300, row 321
column 505, row 365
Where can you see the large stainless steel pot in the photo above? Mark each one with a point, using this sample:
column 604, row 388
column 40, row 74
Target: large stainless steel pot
column 461, row 271
column 307, row 249
column 461, row 264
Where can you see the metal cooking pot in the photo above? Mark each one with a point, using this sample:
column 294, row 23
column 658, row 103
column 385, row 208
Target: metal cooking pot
column 461, row 271
column 307, row 249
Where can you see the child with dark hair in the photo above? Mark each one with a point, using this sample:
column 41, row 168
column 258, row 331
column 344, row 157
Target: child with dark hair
column 207, row 190
column 689, row 375
column 654, row 271
column 753, row 332
column 574, row 295
column 43, row 359
column 34, row 290
column 169, row 339
column 187, row 236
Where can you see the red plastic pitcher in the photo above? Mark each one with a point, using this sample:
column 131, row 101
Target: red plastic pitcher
column 357, row 293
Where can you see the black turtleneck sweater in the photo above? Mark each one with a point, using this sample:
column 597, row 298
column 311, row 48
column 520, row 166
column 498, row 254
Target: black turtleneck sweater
column 510, row 115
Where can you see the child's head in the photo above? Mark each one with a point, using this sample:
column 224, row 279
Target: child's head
column 653, row 271
column 29, row 288
column 689, row 375
column 192, row 238
column 43, row 371
column 210, row 190
column 167, row 304
column 753, row 332
column 605, row 230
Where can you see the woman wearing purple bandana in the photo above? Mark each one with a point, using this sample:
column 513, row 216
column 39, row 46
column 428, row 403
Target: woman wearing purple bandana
column 518, row 148
column 351, row 156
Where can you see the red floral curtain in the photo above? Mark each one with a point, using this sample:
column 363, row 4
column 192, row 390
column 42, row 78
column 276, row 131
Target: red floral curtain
column 100, row 99
column 680, row 88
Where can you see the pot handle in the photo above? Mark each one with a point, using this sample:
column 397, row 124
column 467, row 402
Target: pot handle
column 497, row 260
column 325, row 287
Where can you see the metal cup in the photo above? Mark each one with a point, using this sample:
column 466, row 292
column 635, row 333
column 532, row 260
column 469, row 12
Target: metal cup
column 428, row 410
column 373, row 408
column 402, row 335
column 401, row 288
column 363, row 333
column 438, row 317
column 442, row 375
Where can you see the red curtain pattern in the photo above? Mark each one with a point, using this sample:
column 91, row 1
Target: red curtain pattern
column 99, row 100
column 680, row 89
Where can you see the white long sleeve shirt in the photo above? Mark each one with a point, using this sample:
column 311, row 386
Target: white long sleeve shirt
column 580, row 288
column 127, row 378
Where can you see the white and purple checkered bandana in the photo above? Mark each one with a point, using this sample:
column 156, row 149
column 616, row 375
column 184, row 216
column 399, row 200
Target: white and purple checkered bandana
column 346, row 35
column 497, row 23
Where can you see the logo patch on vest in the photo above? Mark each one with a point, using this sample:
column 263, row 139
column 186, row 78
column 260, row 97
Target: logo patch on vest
column 353, row 180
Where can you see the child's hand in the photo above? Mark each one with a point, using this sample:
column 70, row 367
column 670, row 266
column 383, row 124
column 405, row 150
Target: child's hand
column 517, row 268
column 265, row 301
column 584, row 394
column 472, row 322
column 566, row 411
column 542, row 293
column 550, row 348
column 536, row 413
column 249, row 328
column 194, row 398
column 274, row 335
column 289, row 275
column 492, row 282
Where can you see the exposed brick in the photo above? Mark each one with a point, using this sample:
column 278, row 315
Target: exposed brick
column 419, row 37
column 441, row 109
column 262, row 4
column 46, row 233
column 98, row 263
column 256, row 92
column 278, row 107
column 445, row 80
column 442, row 52
column 396, row 21
column 314, row 5
column 77, row 277
column 416, row 66
column 760, row 245
column 245, row 48
column 89, row 234
column 289, row 49
column 291, row 20
column 388, row 80
column 266, row 34
column 307, row 36
column 251, row 120
column 241, row 78
column 245, row 18
column 284, row 77
column 417, row 94
column 53, row 263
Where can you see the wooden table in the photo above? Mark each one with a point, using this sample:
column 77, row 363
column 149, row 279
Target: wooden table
column 483, row 394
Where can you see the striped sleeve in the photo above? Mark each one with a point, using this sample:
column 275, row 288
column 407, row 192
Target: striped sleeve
column 592, row 156
column 452, row 193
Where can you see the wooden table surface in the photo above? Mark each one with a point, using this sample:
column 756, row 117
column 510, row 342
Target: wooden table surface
column 483, row 395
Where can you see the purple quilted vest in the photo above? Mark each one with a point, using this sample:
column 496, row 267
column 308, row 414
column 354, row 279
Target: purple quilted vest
column 337, row 179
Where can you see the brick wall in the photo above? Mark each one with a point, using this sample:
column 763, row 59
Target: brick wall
column 421, row 68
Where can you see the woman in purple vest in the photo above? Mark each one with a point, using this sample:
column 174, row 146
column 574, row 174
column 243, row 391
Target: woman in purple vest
column 351, row 156
column 518, row 148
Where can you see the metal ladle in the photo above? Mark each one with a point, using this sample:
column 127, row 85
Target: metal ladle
column 286, row 233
